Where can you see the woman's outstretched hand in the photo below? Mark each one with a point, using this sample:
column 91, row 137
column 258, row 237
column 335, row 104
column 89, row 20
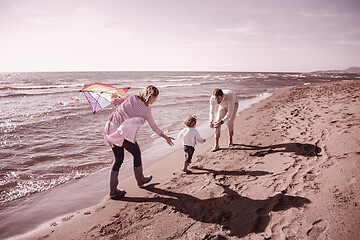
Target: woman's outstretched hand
column 168, row 139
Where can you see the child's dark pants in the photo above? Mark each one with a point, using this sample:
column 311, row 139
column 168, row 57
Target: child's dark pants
column 189, row 152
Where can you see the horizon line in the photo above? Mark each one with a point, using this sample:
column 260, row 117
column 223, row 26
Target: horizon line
column 212, row 71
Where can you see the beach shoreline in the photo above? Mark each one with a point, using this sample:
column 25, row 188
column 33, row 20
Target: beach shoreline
column 58, row 202
column 294, row 164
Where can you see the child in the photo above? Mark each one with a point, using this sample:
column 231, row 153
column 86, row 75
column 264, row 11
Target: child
column 190, row 136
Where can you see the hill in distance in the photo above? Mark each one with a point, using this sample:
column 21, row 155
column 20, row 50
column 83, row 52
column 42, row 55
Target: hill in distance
column 349, row 70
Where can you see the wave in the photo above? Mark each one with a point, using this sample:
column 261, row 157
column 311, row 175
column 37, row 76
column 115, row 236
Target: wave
column 26, row 124
column 28, row 187
column 200, row 100
column 179, row 85
column 15, row 185
column 12, row 95
column 182, row 80
column 177, row 103
column 41, row 87
column 196, row 84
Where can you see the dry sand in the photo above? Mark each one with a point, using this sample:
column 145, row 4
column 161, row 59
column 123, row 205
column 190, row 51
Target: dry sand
column 293, row 174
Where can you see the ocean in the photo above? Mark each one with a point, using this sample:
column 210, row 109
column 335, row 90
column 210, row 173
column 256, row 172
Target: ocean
column 51, row 144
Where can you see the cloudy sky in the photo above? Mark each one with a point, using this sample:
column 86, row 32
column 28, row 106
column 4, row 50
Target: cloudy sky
column 179, row 35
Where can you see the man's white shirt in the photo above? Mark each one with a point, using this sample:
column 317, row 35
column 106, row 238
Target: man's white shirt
column 228, row 101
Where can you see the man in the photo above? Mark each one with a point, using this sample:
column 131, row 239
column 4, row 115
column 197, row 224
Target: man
column 227, row 112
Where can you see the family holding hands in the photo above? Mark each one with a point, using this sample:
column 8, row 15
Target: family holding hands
column 133, row 110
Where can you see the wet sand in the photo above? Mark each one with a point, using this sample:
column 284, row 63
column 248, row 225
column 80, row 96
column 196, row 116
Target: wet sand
column 293, row 173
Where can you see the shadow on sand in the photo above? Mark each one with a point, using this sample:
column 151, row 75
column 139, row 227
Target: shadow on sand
column 240, row 215
column 229, row 173
column 304, row 149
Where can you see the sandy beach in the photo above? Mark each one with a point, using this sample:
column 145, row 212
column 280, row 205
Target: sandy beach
column 292, row 174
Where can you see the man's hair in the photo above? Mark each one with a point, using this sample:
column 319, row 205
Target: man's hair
column 218, row 92
column 190, row 121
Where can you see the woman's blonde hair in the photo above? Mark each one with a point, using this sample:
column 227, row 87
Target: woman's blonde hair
column 190, row 121
column 146, row 93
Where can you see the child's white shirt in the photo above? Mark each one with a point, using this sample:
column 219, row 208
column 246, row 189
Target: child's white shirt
column 190, row 136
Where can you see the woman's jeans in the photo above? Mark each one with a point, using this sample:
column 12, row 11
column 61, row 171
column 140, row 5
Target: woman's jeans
column 132, row 148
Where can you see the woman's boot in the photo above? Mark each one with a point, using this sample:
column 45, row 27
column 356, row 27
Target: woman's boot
column 114, row 192
column 141, row 180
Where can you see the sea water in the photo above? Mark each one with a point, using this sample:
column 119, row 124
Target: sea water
column 51, row 143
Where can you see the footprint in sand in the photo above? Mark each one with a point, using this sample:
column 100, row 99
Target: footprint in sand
column 67, row 218
column 99, row 209
column 110, row 228
column 318, row 227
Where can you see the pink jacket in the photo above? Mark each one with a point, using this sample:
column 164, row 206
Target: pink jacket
column 132, row 109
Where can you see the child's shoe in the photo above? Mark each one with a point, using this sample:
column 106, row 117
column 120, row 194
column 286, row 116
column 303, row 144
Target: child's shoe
column 185, row 169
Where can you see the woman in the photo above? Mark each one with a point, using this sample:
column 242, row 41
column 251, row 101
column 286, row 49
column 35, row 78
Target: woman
column 121, row 129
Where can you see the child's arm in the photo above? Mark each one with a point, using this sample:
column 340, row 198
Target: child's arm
column 198, row 138
column 181, row 134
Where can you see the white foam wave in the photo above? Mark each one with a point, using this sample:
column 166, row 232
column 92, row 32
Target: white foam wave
column 32, row 87
column 179, row 85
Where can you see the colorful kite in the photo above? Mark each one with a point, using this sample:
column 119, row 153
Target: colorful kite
column 99, row 94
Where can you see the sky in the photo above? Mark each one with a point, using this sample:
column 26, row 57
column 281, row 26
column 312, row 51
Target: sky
column 179, row 35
